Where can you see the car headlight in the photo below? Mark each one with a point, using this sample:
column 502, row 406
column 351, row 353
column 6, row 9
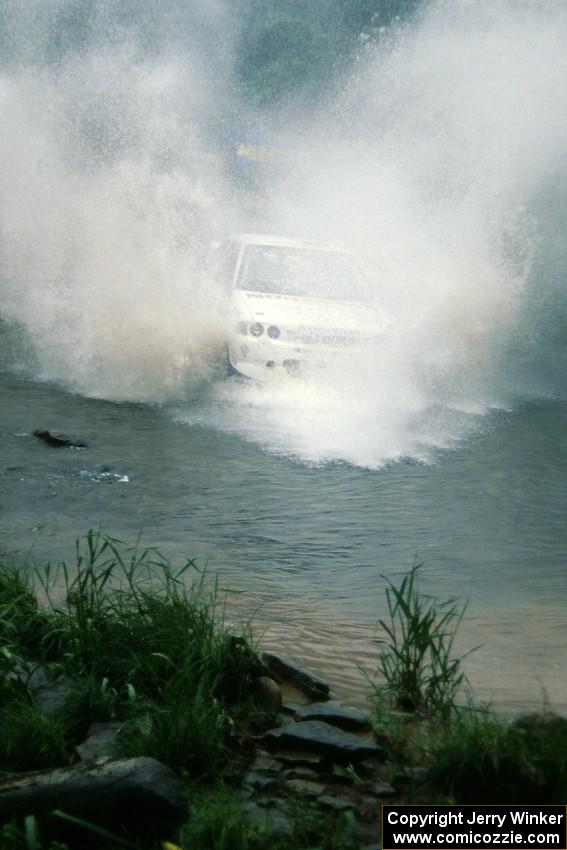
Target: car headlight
column 273, row 332
column 257, row 329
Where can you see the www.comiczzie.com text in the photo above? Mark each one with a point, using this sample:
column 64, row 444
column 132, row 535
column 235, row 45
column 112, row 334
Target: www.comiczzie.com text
column 480, row 827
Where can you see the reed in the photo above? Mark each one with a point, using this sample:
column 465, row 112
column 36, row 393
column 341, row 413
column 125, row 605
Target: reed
column 418, row 669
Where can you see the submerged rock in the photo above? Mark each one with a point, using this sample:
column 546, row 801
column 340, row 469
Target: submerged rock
column 324, row 738
column 286, row 670
column 58, row 440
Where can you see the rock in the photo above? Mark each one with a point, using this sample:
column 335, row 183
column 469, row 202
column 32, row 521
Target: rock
column 381, row 789
column 58, row 440
column 278, row 823
column 267, row 694
column 48, row 697
column 328, row 740
column 261, row 781
column 305, row 788
column 340, row 774
column 336, row 714
column 136, row 793
column 286, row 670
column 292, row 707
column 296, row 757
column 100, row 742
column 414, row 775
column 300, row 773
column 337, row 804
column 546, row 722
column 264, row 761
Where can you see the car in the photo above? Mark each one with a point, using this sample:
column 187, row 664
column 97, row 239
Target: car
column 292, row 305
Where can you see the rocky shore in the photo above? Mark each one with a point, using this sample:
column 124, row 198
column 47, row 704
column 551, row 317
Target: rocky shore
column 316, row 750
column 131, row 716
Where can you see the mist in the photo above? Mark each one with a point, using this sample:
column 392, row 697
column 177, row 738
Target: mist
column 437, row 153
column 112, row 188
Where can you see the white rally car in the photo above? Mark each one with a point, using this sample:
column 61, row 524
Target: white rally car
column 292, row 304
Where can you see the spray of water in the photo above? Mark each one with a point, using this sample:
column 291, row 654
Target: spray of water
column 440, row 156
column 112, row 189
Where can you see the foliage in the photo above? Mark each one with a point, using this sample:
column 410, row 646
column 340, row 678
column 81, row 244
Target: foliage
column 21, row 620
column 30, row 740
column 480, row 757
column 219, row 822
column 142, row 641
column 416, row 658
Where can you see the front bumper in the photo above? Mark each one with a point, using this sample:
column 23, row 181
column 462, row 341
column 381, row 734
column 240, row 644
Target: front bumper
column 264, row 359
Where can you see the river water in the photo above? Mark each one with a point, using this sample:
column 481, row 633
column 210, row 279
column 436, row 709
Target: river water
column 307, row 545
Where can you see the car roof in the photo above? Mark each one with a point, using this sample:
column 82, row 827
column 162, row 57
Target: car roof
column 266, row 239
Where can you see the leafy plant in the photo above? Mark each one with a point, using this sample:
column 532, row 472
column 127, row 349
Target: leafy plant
column 416, row 659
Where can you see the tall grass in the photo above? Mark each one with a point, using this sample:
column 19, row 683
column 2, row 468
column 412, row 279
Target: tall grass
column 416, row 663
column 144, row 642
column 481, row 757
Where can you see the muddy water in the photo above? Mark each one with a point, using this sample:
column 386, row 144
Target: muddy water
column 304, row 547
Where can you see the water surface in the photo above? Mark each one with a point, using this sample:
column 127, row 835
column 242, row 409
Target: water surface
column 308, row 545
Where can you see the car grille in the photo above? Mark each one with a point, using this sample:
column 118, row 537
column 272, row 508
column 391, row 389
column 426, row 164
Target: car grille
column 323, row 336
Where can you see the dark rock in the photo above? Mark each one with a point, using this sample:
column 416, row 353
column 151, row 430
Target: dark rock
column 337, row 804
column 328, row 740
column 296, row 757
column 305, row 788
column 264, row 761
column 278, row 823
column 267, row 694
column 336, row 714
column 546, row 722
column 274, row 803
column 300, row 772
column 340, row 774
column 286, row 670
column 134, row 793
column 48, row 697
column 100, row 742
column 381, row 789
column 58, row 440
column 261, row 781
column 413, row 775
column 292, row 707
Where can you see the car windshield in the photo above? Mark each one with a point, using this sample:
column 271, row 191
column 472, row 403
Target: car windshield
column 303, row 272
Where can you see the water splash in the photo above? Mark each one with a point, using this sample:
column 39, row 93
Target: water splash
column 440, row 157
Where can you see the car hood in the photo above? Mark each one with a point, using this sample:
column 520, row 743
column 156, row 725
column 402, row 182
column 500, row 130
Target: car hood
column 293, row 312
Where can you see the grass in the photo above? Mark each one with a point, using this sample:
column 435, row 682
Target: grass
column 419, row 672
column 141, row 641
column 145, row 643
column 28, row 739
column 219, row 822
column 472, row 755
column 480, row 757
